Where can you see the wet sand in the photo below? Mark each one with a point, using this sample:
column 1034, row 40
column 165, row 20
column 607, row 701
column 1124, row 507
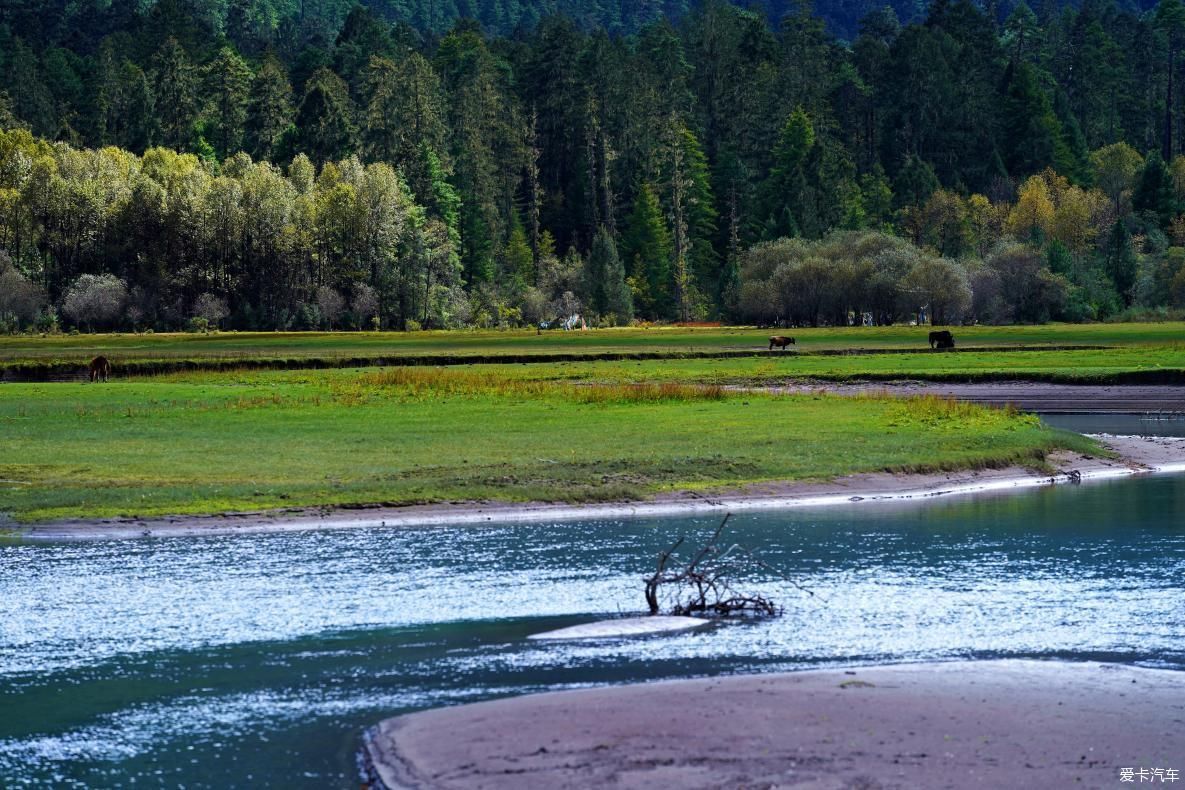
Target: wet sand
column 1135, row 455
column 996, row 724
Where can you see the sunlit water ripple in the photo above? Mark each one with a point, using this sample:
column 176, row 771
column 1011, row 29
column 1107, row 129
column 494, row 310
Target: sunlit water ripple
column 257, row 660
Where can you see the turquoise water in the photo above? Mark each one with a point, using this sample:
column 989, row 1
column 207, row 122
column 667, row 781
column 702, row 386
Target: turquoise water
column 258, row 660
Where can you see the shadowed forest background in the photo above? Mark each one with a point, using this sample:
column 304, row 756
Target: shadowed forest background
column 268, row 164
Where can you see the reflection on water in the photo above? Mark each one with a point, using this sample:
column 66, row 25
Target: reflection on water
column 1120, row 424
column 256, row 660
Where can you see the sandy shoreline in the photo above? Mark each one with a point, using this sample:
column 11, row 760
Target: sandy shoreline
column 948, row 725
column 1137, row 455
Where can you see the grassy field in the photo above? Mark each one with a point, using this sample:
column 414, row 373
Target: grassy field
column 204, row 443
column 1143, row 363
column 230, row 346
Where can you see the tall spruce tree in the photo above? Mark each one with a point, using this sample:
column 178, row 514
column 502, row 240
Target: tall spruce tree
column 646, row 247
column 325, row 118
column 605, row 280
column 175, row 81
column 269, row 112
column 228, row 81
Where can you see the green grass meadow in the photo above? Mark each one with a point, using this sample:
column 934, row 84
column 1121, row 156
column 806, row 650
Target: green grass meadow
column 218, row 442
column 230, row 346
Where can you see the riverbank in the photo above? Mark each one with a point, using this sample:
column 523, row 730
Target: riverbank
column 959, row 724
column 273, row 440
column 1133, row 455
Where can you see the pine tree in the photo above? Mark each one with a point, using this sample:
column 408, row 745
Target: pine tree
column 1154, row 191
column 325, row 118
column 31, row 99
column 269, row 114
column 1021, row 32
column 1033, row 138
column 915, row 183
column 605, row 280
column 1121, row 261
column 1170, row 17
column 404, row 110
column 518, row 262
column 787, row 182
column 646, row 247
column 228, row 83
column 174, row 77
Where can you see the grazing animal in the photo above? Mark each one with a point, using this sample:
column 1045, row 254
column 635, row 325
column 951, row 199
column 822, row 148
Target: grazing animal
column 778, row 340
column 937, row 339
column 99, row 367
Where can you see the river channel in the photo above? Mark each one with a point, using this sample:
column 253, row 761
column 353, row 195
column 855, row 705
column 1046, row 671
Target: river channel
column 258, row 660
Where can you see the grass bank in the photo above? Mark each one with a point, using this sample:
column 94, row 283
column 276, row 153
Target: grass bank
column 232, row 346
column 1133, row 364
column 254, row 440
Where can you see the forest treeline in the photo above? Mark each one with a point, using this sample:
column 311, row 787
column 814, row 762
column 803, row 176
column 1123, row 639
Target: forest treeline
column 252, row 26
column 159, row 168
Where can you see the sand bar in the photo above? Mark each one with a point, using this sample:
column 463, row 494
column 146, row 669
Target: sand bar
column 993, row 724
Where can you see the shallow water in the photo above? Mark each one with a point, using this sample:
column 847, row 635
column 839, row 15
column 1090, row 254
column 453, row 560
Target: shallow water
column 1120, row 424
column 257, row 660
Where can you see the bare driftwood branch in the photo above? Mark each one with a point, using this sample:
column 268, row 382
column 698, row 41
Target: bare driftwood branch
column 704, row 585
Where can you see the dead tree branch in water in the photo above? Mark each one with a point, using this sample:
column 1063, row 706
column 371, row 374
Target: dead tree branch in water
column 705, row 584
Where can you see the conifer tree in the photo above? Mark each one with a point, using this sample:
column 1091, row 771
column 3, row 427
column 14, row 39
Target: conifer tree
column 269, row 114
column 228, row 84
column 175, row 82
column 325, row 118
column 646, row 247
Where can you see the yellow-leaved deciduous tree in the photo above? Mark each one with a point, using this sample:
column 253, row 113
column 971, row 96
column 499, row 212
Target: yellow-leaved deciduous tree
column 1115, row 168
column 1031, row 219
column 944, row 225
column 985, row 222
column 1074, row 219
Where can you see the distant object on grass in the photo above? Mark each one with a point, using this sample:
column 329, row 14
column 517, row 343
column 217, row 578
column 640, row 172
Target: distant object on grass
column 942, row 339
column 779, row 340
column 99, row 367
column 575, row 321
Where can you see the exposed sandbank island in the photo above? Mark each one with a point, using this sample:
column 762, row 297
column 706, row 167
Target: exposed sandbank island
column 988, row 724
column 1134, row 455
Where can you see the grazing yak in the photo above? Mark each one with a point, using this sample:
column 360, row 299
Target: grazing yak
column 778, row 340
column 99, row 367
column 942, row 339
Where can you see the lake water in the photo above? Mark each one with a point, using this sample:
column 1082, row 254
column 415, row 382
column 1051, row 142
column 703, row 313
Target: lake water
column 258, row 660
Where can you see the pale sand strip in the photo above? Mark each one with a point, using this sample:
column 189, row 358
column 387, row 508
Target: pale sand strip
column 1138, row 455
column 994, row 724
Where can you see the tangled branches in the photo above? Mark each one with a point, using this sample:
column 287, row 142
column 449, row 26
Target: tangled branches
column 704, row 584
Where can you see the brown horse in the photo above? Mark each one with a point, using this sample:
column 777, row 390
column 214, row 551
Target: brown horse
column 99, row 367
column 778, row 340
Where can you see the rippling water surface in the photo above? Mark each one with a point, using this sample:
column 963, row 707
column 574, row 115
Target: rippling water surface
column 257, row 660
column 1149, row 424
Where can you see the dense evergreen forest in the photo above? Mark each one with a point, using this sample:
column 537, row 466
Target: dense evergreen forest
column 274, row 164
